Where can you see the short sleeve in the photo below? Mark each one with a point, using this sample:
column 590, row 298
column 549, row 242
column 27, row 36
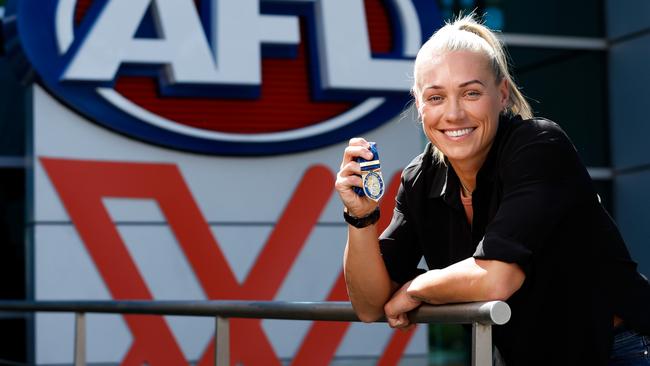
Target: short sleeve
column 539, row 174
column 398, row 243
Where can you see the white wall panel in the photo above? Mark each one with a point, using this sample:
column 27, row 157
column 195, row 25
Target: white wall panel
column 240, row 198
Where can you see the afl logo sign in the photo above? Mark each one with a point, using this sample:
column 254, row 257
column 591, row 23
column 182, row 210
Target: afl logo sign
column 228, row 77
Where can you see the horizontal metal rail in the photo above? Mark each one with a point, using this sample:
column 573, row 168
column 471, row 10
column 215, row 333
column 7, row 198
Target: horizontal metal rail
column 546, row 41
column 492, row 312
column 481, row 314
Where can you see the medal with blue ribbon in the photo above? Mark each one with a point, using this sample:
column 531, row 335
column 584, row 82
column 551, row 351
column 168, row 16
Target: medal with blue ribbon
column 373, row 182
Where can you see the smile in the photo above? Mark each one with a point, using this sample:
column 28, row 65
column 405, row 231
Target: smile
column 459, row 133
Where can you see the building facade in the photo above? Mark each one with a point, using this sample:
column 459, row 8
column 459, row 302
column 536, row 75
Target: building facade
column 580, row 63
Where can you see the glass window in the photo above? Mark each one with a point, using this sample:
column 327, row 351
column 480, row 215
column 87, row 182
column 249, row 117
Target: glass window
column 12, row 232
column 12, row 341
column 12, row 112
column 450, row 344
column 568, row 87
column 12, row 262
column 583, row 18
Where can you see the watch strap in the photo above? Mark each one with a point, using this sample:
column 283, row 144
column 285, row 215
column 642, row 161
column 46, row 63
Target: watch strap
column 361, row 222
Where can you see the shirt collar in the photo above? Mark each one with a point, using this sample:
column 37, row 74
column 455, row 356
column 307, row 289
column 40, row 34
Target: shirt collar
column 435, row 171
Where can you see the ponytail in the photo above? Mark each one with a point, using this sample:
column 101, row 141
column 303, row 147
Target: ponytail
column 517, row 103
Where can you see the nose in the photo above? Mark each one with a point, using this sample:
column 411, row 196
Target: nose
column 454, row 111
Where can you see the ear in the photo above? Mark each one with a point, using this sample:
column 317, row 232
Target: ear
column 504, row 93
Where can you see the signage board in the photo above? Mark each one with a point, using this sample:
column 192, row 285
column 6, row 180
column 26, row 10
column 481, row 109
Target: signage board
column 186, row 150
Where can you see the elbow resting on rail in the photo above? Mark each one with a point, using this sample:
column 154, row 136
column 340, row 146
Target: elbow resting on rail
column 370, row 316
column 370, row 310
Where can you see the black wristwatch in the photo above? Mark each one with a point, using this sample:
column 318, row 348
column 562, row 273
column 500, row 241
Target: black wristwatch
column 361, row 222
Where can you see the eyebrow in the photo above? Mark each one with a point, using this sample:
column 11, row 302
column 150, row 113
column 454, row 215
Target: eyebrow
column 461, row 85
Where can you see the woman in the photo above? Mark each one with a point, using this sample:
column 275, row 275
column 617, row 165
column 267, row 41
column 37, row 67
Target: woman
column 501, row 208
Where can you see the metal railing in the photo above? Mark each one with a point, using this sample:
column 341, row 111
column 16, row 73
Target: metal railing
column 482, row 315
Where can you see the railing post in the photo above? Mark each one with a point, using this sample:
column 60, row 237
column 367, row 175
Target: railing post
column 481, row 345
column 222, row 342
column 80, row 339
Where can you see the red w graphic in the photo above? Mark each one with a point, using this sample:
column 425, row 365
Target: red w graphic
column 82, row 185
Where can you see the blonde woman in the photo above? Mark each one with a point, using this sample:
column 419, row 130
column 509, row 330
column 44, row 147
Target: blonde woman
column 501, row 208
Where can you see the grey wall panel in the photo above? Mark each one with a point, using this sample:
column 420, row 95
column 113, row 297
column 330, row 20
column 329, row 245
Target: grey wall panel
column 633, row 215
column 629, row 97
column 626, row 16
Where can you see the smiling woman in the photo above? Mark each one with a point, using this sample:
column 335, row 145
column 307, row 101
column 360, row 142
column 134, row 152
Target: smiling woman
column 459, row 104
column 501, row 208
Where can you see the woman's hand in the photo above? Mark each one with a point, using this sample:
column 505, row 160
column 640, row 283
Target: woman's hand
column 398, row 306
column 350, row 176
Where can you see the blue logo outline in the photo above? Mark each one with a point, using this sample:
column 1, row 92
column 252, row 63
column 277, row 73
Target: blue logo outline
column 35, row 28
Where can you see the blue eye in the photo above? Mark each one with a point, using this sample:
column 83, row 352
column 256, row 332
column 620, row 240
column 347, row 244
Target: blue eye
column 473, row 94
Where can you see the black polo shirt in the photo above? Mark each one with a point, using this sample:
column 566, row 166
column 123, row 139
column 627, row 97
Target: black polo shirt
column 534, row 205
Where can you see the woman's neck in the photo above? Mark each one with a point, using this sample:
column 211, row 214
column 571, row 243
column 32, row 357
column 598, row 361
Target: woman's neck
column 466, row 170
column 467, row 179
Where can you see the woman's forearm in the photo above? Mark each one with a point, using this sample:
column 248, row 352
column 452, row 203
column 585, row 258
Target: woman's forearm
column 367, row 280
column 468, row 280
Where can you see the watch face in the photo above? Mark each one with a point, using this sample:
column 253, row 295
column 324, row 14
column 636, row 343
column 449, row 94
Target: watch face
column 373, row 185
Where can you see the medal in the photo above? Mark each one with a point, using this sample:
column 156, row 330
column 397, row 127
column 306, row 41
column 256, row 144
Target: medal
column 373, row 182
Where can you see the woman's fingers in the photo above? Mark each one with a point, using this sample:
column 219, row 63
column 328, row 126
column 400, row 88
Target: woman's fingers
column 353, row 151
column 400, row 321
column 350, row 168
column 349, row 176
column 397, row 308
column 393, row 322
column 358, row 141
column 344, row 183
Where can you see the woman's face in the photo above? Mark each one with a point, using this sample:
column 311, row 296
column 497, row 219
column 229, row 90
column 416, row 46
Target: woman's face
column 459, row 104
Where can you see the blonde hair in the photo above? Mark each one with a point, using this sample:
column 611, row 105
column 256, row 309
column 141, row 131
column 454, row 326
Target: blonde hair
column 467, row 34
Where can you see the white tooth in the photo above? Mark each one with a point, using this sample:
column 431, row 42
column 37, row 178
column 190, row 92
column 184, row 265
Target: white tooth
column 458, row 133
